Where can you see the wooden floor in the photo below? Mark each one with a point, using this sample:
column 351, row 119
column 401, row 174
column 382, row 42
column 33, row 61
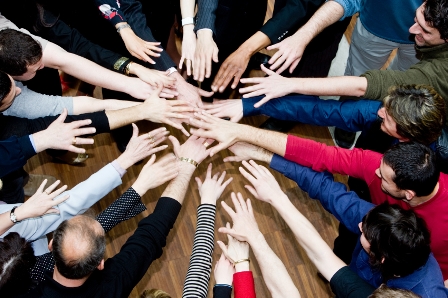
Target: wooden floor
column 169, row 271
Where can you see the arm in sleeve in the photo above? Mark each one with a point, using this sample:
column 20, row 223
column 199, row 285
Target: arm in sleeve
column 200, row 267
column 290, row 17
column 348, row 115
column 350, row 7
column 345, row 205
column 14, row 153
column 320, row 157
column 142, row 248
column 137, row 21
column 222, row 291
column 128, row 205
column 82, row 197
column 15, row 126
column 243, row 283
column 206, row 15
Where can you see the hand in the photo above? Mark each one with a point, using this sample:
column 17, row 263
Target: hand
column 151, row 76
column 232, row 68
column 142, row 90
column 235, row 250
column 188, row 48
column 265, row 187
column 155, row 174
column 64, row 136
column 272, row 86
column 192, row 148
column 289, row 53
column 232, row 108
column 224, row 132
column 246, row 151
column 244, row 223
column 206, row 50
column 212, row 188
column 223, row 271
column 140, row 147
column 42, row 202
column 171, row 112
column 189, row 93
column 139, row 48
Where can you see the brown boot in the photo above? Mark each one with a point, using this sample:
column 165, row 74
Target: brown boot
column 35, row 181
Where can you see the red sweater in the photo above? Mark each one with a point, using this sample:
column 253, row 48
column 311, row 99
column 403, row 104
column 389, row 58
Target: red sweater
column 362, row 164
column 243, row 283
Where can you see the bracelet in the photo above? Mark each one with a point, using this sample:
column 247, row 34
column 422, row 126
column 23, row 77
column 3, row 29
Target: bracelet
column 187, row 21
column 171, row 70
column 121, row 27
column 240, row 261
column 189, row 160
column 127, row 69
column 121, row 64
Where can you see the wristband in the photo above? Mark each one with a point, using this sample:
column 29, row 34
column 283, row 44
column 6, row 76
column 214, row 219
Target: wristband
column 120, row 64
column 187, row 21
column 171, row 70
column 127, row 69
column 121, row 27
column 240, row 261
column 189, row 160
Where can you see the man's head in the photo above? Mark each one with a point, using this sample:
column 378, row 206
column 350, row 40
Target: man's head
column 8, row 91
column 413, row 112
column 78, row 247
column 431, row 23
column 398, row 240
column 16, row 260
column 408, row 170
column 20, row 54
column 385, row 292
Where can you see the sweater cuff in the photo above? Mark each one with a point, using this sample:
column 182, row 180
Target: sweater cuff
column 248, row 106
column 243, row 283
column 27, row 147
column 168, row 206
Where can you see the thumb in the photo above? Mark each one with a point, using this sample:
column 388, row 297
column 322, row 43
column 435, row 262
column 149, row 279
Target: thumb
column 62, row 117
column 151, row 160
column 215, row 55
column 267, row 70
column 176, row 144
column 159, row 89
column 52, row 211
column 205, row 93
column 134, row 130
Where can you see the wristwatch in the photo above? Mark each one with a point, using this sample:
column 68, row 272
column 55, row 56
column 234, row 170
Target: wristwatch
column 12, row 215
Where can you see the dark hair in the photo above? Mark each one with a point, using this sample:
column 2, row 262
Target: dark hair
column 436, row 15
column 81, row 229
column 418, row 110
column 16, row 260
column 5, row 85
column 415, row 167
column 399, row 240
column 18, row 51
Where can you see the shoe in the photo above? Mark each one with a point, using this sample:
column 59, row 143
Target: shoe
column 257, row 59
column 35, row 181
column 278, row 125
column 72, row 158
column 344, row 139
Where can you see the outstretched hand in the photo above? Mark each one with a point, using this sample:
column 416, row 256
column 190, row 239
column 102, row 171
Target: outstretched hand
column 212, row 188
column 290, row 52
column 188, row 48
column 265, row 187
column 272, row 86
column 140, row 147
column 224, row 132
column 223, row 271
column 42, row 202
column 206, row 51
column 244, row 223
column 193, row 148
column 232, row 108
column 138, row 47
column 64, row 136
column 231, row 70
column 234, row 250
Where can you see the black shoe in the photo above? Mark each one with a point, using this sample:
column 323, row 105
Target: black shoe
column 257, row 59
column 344, row 139
column 278, row 125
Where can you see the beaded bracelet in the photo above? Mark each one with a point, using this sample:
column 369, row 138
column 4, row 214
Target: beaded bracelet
column 189, row 160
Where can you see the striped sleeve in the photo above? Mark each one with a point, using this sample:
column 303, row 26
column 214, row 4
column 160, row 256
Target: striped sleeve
column 198, row 275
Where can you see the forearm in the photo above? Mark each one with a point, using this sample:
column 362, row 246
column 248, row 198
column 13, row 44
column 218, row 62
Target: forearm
column 347, row 85
column 270, row 140
column 85, row 104
column 255, row 43
column 120, row 118
column 177, row 188
column 5, row 222
column 329, row 13
column 187, row 8
column 316, row 248
column 278, row 281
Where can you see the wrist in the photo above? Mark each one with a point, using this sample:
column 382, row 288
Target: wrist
column 140, row 187
column 188, row 28
column 20, row 213
column 124, row 161
column 242, row 266
column 204, row 33
column 40, row 141
column 254, row 237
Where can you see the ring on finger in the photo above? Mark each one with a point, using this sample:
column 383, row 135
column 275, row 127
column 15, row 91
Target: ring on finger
column 206, row 144
column 74, row 141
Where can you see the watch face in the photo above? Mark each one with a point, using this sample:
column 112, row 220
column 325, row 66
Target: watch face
column 13, row 217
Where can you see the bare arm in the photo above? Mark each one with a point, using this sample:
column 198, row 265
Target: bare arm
column 189, row 37
column 86, row 104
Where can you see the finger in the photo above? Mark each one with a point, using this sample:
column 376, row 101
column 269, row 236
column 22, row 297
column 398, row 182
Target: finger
column 188, row 67
column 208, row 65
column 84, row 141
column 252, row 167
column 280, row 62
column 60, row 200
column 181, row 63
column 52, row 187
column 74, row 149
column 242, row 202
column 209, row 171
column 218, row 77
column 215, row 56
column 248, row 176
column 257, row 168
column 41, row 187
column 205, row 93
column 236, row 203
column 219, row 147
column 236, row 79
column 134, row 130
column 199, row 182
column 145, row 57
column 154, row 46
column 57, row 192
column 294, row 65
column 62, row 117
column 223, row 246
column 229, row 210
column 249, row 207
column 80, row 123
column 261, row 102
column 176, row 144
column 256, row 80
column 199, row 123
column 201, row 133
column 52, row 211
column 272, row 47
column 224, row 185
column 232, row 159
column 202, row 65
column 267, row 70
column 157, row 149
column 252, row 190
column 221, row 178
column 228, row 75
column 83, row 131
